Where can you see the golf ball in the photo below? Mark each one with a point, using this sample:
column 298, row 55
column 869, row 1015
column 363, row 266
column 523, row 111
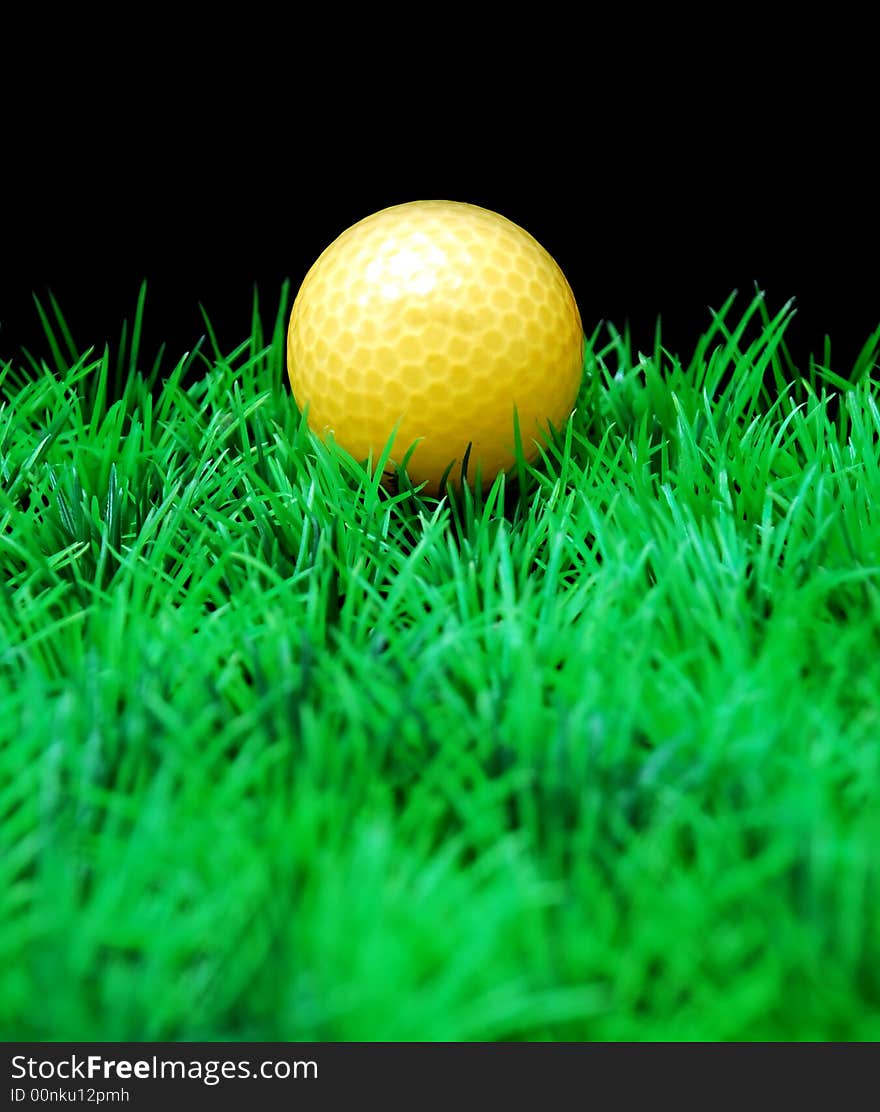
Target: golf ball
column 435, row 322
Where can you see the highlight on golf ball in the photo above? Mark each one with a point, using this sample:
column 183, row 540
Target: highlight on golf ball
column 440, row 320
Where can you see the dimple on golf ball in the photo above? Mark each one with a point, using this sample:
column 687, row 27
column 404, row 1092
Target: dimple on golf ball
column 436, row 322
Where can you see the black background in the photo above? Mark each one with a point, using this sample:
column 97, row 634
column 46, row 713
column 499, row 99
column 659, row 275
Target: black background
column 660, row 180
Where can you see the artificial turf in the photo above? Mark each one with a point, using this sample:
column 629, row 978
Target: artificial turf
column 591, row 755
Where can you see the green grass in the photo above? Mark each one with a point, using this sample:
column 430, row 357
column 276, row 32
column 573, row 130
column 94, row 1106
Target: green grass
column 595, row 756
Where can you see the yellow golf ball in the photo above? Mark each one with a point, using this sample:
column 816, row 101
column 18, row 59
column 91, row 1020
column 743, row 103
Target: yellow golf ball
column 436, row 321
